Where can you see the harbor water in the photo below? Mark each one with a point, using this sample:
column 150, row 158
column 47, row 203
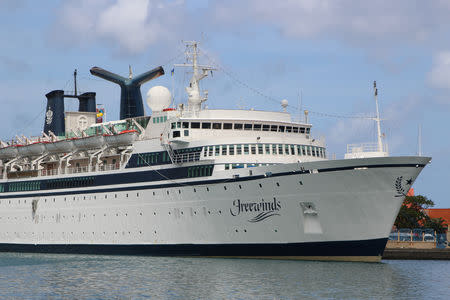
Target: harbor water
column 45, row 276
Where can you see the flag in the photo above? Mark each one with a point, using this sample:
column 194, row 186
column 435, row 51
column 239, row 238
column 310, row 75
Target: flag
column 173, row 71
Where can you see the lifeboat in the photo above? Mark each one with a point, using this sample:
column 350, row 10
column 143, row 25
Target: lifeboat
column 126, row 137
column 62, row 146
column 9, row 152
column 33, row 149
column 89, row 142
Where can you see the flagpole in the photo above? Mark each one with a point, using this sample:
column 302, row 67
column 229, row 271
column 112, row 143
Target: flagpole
column 173, row 88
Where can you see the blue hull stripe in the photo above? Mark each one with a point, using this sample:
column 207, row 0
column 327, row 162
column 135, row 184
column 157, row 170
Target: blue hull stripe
column 374, row 247
column 145, row 176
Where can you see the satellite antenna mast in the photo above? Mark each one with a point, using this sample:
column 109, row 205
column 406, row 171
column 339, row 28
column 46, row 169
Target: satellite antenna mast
column 75, row 82
column 377, row 119
column 420, row 141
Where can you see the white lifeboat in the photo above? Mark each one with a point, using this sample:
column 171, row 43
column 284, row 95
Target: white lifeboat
column 126, row 137
column 63, row 146
column 33, row 149
column 9, row 152
column 89, row 142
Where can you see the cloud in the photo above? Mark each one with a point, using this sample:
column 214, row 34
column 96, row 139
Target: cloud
column 439, row 76
column 354, row 21
column 131, row 26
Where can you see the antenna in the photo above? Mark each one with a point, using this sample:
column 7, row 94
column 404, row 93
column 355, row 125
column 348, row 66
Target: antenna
column 419, row 140
column 75, row 81
column 377, row 118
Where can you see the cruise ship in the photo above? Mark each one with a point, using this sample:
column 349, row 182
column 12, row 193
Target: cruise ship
column 194, row 182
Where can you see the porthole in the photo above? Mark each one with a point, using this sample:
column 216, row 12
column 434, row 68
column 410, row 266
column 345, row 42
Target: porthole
column 220, row 211
column 153, row 193
column 126, row 195
column 137, row 194
column 209, row 212
column 300, row 182
column 224, row 187
column 181, row 212
column 278, row 184
column 240, row 186
column 115, row 195
column 275, row 230
column 260, row 185
column 245, row 230
column 179, row 191
column 106, row 196
column 195, row 191
column 140, row 214
column 207, row 189
column 236, row 230
column 167, row 192
column 154, row 213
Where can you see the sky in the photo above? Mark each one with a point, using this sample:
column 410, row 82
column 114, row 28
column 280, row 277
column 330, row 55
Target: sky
column 320, row 55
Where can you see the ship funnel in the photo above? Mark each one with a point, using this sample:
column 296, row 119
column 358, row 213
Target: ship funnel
column 54, row 116
column 87, row 102
column 131, row 104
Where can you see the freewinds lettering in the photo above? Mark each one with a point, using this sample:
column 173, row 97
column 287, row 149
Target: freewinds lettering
column 265, row 209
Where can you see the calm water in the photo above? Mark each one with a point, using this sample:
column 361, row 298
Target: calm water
column 42, row 276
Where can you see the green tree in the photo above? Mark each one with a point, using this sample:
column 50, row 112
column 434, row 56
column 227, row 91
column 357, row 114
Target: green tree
column 412, row 214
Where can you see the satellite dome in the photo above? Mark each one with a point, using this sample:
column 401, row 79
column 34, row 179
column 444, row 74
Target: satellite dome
column 158, row 98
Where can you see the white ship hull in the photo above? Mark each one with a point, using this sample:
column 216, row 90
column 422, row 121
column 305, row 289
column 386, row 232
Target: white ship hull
column 338, row 210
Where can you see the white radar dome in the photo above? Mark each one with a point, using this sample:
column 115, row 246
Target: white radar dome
column 158, row 98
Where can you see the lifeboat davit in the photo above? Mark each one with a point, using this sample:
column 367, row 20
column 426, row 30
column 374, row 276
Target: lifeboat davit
column 89, row 142
column 34, row 149
column 126, row 137
column 8, row 152
column 63, row 146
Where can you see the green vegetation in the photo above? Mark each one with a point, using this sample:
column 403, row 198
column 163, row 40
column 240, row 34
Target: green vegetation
column 412, row 215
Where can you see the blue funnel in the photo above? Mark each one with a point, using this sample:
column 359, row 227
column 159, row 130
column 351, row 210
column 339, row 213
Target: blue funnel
column 54, row 115
column 130, row 97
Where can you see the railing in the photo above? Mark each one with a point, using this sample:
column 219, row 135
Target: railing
column 186, row 157
column 364, row 147
column 76, row 170
column 419, row 235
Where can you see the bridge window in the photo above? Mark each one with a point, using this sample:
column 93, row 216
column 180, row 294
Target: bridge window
column 267, row 146
column 274, row 128
column 227, row 126
column 246, row 149
column 280, row 149
column 217, row 150
column 237, row 126
column 248, row 126
column 176, row 134
column 302, row 130
column 185, row 124
column 274, row 149
column 224, row 149
column 288, row 129
column 295, row 129
column 260, row 149
column 231, row 150
column 186, row 132
column 238, row 149
column 206, row 125
column 266, row 127
column 257, row 127
column 253, row 147
column 281, row 129
column 308, row 130
column 292, row 150
column 195, row 125
column 217, row 125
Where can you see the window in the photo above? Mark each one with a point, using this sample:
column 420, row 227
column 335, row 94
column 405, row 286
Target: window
column 217, row 125
column 231, row 150
column 176, row 134
column 206, row 125
column 173, row 125
column 303, row 150
column 260, row 149
column 308, row 130
column 281, row 129
column 248, row 126
column 185, row 124
column 257, row 127
column 295, row 129
column 238, row 149
column 274, row 128
column 246, row 149
column 308, row 150
column 313, row 151
column 266, row 127
column 288, row 129
column 210, row 150
column 186, row 132
column 227, row 126
column 286, row 149
column 280, row 149
column 224, row 149
column 274, row 149
column 195, row 125
column 217, row 150
column 253, row 147
column 178, row 124
column 299, row 151
column 237, row 126
column 267, row 147
column 302, row 129
column 292, row 150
